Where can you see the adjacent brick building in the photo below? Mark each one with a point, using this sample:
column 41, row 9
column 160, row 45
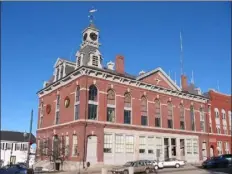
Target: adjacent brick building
column 105, row 115
column 219, row 123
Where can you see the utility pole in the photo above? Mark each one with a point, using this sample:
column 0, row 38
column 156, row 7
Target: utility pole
column 29, row 140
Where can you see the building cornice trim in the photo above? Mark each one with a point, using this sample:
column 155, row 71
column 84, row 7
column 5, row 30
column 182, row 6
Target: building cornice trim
column 101, row 74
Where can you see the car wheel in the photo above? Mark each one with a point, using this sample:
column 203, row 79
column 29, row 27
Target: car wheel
column 156, row 167
column 147, row 171
column 125, row 172
column 177, row 165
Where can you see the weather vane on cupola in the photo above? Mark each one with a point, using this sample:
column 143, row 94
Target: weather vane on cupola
column 91, row 16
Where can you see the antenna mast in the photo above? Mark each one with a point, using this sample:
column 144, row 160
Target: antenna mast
column 181, row 56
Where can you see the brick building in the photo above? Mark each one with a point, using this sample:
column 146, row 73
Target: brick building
column 105, row 115
column 220, row 138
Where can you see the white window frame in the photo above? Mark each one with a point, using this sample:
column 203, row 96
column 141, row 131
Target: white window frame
column 74, row 145
column 119, row 143
column 129, row 143
column 142, row 144
column 108, row 143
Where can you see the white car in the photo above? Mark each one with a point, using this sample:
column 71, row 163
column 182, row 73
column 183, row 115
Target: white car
column 158, row 164
column 173, row 162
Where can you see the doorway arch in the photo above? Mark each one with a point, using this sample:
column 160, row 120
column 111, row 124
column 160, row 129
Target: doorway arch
column 211, row 151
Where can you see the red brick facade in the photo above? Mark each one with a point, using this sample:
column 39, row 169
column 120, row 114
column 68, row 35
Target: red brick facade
column 221, row 102
column 144, row 91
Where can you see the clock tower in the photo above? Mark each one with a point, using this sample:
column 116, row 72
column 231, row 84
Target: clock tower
column 89, row 55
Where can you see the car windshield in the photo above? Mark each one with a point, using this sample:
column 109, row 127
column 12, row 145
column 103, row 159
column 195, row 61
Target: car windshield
column 128, row 164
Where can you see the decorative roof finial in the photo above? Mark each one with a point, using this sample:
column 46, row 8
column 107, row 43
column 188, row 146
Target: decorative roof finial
column 91, row 16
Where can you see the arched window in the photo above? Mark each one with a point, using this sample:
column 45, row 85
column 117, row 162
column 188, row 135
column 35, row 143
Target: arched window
column 92, row 107
column 170, row 121
column 144, row 111
column 110, row 105
column 77, row 103
column 216, row 112
column 223, row 114
column 182, row 125
column 93, row 93
column 127, row 100
column 192, row 118
column 127, row 108
column 157, row 114
column 77, row 99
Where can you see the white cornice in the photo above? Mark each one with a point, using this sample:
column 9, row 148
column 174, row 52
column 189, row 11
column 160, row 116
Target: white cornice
column 101, row 74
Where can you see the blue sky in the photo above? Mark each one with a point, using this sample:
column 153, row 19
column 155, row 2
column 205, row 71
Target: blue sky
column 35, row 34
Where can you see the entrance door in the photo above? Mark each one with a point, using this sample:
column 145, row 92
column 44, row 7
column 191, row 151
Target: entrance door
column 211, row 151
column 92, row 150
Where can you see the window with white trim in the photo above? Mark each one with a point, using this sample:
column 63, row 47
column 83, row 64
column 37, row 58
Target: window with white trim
column 127, row 108
column 92, row 107
column 195, row 146
column 157, row 114
column 108, row 143
column 110, row 106
column 225, row 129
column 41, row 114
column 77, row 103
column 219, row 147
column 189, row 146
column 218, row 128
column 57, row 73
column 143, row 111
column 216, row 114
column 61, row 71
column 223, row 115
column 79, row 61
column 129, row 144
column 57, row 116
column 202, row 120
column 150, row 144
column 230, row 117
column 66, row 145
column 170, row 115
column 119, row 143
column 182, row 119
column 18, row 146
column 75, row 146
column 142, row 144
column 158, row 141
column 192, row 117
column 227, row 149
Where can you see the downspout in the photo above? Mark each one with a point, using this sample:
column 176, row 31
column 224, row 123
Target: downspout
column 86, row 105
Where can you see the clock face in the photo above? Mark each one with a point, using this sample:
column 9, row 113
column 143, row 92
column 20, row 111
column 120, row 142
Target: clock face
column 85, row 36
column 93, row 36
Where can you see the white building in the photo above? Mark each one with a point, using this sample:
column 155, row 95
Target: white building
column 14, row 147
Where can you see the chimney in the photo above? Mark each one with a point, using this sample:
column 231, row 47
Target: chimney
column 110, row 65
column 184, row 82
column 119, row 67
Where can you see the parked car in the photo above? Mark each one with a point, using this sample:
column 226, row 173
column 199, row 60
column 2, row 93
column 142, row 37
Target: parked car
column 157, row 164
column 173, row 162
column 13, row 169
column 139, row 166
column 210, row 162
column 221, row 161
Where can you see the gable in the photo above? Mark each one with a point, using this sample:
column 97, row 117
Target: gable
column 158, row 77
column 58, row 62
